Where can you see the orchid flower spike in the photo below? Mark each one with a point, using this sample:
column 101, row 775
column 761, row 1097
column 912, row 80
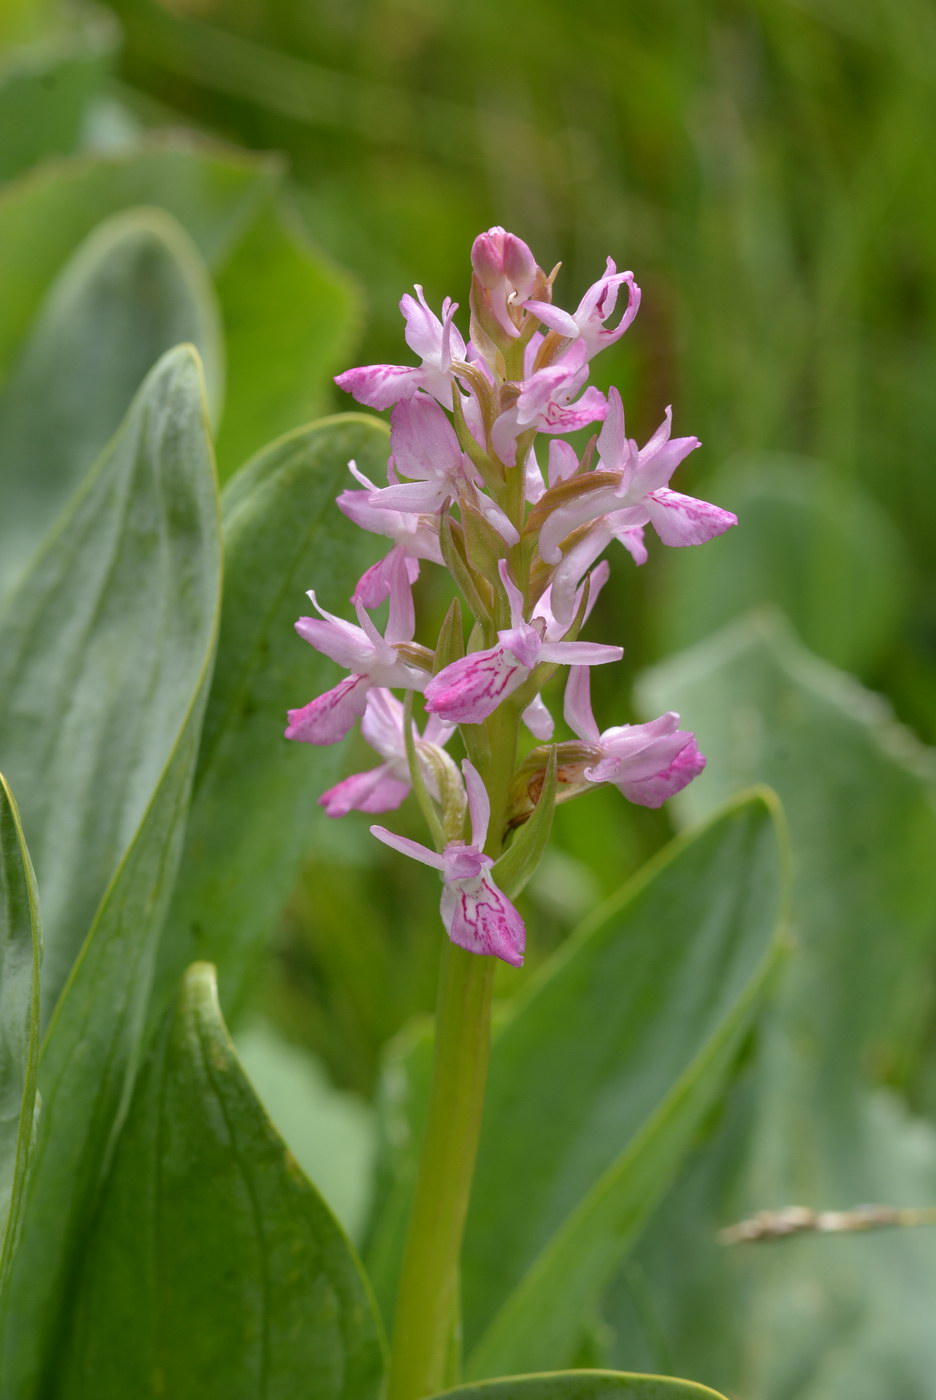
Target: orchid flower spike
column 470, row 689
column 372, row 660
column 640, row 488
column 647, row 762
column 476, row 914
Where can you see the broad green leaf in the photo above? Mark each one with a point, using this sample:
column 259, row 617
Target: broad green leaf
column 289, row 314
column 133, row 290
column 815, row 1319
column 212, row 191
column 47, row 87
column 601, row 1077
column 828, row 555
column 290, row 318
column 92, row 1046
column 100, row 645
column 582, row 1385
column 20, row 953
column 215, row 1269
column 329, row 1132
column 254, row 814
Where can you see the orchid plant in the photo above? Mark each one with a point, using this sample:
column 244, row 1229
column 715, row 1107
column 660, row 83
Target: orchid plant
column 482, row 481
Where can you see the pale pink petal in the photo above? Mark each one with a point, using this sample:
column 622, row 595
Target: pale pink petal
column 538, row 720
column 377, row 790
column 499, row 518
column 423, row 333
column 554, row 317
column 566, row 418
column 563, row 461
column 514, row 596
column 580, row 653
column 654, row 471
column 533, row 484
column 481, row 919
column 414, row 849
column 380, row 386
column 683, row 520
column 412, row 497
column 612, row 441
column 470, row 689
column 382, row 725
column 653, row 792
column 423, row 440
column 340, row 641
column 401, row 622
column 328, row 718
column 577, row 708
column 373, row 587
column 559, row 524
column 479, row 804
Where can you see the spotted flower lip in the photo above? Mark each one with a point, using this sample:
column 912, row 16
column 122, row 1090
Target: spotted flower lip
column 544, row 401
column 477, row 915
column 641, row 487
column 470, row 689
column 439, row 346
column 647, row 762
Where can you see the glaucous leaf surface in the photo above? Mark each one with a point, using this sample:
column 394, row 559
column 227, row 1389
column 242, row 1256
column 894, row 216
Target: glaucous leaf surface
column 92, row 1045
column 582, row 1385
column 831, row 558
column 47, row 88
column 101, row 646
column 212, row 191
column 20, row 953
column 254, row 811
column 289, row 313
column 215, row 1272
column 291, row 318
column 600, row 1073
column 813, row 1319
column 134, row 289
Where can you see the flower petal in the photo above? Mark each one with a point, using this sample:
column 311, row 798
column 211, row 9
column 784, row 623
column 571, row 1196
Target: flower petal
column 328, row 718
column 414, row 849
column 470, row 689
column 653, row 792
column 683, row 520
column 380, row 386
column 377, row 790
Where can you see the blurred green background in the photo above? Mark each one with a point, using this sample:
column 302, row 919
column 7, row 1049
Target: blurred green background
column 766, row 170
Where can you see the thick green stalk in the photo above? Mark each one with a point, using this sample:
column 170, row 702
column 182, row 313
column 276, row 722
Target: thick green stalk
column 428, row 1299
column 427, row 1314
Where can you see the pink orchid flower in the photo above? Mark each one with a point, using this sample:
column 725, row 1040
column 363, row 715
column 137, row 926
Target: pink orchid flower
column 372, row 660
column 647, row 762
column 640, row 490
column 384, row 788
column 575, row 563
column 426, row 449
column 439, row 347
column 469, row 690
column 587, row 323
column 545, row 402
column 476, row 915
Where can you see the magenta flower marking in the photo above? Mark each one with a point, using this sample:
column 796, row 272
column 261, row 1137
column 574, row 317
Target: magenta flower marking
column 647, row 762
column 469, row 690
column 587, row 322
column 371, row 659
column 476, row 914
column 384, row 788
column 436, row 342
column 641, row 490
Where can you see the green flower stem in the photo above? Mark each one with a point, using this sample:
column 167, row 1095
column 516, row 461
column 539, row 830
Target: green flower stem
column 427, row 1314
